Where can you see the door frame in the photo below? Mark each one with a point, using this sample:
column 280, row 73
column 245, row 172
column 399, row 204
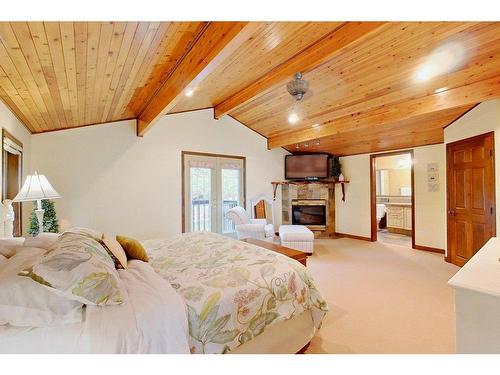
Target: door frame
column 447, row 258
column 183, row 188
column 6, row 134
column 373, row 193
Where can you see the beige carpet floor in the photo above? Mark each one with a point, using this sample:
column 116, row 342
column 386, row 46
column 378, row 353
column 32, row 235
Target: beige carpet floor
column 383, row 298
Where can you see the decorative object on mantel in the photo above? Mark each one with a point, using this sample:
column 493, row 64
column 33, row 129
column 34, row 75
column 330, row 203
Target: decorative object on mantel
column 336, row 170
column 35, row 188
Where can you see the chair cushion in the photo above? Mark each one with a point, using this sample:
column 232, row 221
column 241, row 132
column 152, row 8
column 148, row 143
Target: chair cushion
column 297, row 233
column 238, row 215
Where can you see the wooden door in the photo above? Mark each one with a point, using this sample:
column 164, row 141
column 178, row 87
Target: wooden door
column 471, row 196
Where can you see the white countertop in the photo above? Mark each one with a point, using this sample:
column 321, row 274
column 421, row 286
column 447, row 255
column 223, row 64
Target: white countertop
column 482, row 272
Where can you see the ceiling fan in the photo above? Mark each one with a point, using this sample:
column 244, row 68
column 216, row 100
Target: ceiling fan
column 297, row 87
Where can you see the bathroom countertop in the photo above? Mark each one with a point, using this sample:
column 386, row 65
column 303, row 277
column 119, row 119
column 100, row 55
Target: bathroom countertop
column 396, row 204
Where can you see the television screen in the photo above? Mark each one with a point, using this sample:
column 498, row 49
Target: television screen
column 306, row 167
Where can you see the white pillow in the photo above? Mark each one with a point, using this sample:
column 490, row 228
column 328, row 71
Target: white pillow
column 26, row 303
column 8, row 246
column 78, row 267
column 42, row 240
column 86, row 231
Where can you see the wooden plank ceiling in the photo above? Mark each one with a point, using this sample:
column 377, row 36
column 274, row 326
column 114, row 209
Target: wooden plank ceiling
column 364, row 95
column 56, row 75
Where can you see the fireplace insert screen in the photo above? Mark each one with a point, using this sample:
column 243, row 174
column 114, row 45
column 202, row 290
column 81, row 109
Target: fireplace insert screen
column 309, row 215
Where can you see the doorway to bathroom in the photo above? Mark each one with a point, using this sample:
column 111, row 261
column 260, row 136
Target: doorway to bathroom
column 392, row 198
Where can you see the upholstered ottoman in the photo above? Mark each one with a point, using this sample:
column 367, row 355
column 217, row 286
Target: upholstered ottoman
column 297, row 237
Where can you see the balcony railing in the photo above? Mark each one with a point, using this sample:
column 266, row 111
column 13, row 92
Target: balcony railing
column 201, row 216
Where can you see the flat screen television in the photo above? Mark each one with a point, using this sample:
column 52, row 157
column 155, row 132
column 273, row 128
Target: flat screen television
column 306, row 167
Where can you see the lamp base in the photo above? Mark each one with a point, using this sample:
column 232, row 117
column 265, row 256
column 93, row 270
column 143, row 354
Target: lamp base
column 39, row 215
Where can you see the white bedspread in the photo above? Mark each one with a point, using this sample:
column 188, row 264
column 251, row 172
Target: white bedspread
column 153, row 320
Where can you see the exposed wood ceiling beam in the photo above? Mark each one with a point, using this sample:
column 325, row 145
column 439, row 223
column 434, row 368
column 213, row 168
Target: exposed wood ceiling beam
column 457, row 97
column 318, row 53
column 217, row 42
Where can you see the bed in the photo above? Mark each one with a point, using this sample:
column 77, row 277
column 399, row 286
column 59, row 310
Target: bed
column 240, row 298
column 199, row 293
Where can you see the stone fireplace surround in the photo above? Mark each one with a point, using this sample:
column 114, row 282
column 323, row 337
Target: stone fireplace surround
column 310, row 191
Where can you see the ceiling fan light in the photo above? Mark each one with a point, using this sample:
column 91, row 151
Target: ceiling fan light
column 293, row 118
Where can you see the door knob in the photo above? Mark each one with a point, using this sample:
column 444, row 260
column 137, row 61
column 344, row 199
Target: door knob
column 452, row 213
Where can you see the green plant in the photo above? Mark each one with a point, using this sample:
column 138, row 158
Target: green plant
column 50, row 223
column 336, row 167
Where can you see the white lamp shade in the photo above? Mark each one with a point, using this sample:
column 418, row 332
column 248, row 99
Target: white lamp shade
column 36, row 187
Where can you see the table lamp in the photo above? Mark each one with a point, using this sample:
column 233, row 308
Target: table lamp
column 35, row 188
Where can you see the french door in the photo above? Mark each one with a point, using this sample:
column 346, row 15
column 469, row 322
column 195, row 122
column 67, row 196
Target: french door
column 213, row 184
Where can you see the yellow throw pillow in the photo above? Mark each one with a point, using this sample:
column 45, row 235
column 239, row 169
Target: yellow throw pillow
column 133, row 248
column 116, row 249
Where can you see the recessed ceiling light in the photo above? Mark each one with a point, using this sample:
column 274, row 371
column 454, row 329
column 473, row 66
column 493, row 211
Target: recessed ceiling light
column 315, row 125
column 189, row 93
column 441, row 89
column 293, row 118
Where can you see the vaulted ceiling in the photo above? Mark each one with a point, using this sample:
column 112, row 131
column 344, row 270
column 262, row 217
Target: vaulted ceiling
column 373, row 85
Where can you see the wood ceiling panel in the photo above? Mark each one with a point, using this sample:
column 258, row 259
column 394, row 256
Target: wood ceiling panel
column 376, row 73
column 272, row 44
column 217, row 42
column 416, row 131
column 180, row 37
column 56, row 75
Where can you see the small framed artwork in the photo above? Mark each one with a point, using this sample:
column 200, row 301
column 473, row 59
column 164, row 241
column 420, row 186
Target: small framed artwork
column 432, row 177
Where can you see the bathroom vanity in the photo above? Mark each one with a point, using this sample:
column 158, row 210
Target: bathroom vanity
column 399, row 218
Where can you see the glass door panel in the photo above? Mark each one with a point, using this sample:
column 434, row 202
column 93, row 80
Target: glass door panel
column 231, row 197
column 201, row 199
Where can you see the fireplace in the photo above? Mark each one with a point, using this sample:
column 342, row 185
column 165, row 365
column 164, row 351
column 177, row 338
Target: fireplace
column 309, row 212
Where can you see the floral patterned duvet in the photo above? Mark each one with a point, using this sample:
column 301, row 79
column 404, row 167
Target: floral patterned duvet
column 233, row 290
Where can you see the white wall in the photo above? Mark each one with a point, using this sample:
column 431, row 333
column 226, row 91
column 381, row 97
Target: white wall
column 353, row 215
column 482, row 119
column 112, row 180
column 10, row 123
column 430, row 207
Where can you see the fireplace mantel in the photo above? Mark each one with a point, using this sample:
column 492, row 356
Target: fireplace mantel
column 322, row 182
